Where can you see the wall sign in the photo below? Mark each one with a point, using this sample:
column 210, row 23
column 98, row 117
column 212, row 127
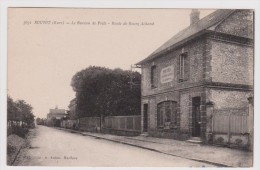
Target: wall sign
column 167, row 74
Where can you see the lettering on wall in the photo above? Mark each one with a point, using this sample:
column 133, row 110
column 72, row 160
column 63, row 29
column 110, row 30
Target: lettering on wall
column 167, row 74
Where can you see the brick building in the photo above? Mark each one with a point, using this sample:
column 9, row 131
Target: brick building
column 207, row 66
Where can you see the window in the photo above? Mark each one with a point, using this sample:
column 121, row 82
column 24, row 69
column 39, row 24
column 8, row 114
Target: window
column 154, row 78
column 167, row 115
column 184, row 67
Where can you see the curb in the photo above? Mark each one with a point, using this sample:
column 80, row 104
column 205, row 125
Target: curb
column 147, row 148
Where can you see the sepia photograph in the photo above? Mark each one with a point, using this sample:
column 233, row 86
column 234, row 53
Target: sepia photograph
column 130, row 87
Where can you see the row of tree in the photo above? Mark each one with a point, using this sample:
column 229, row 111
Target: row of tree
column 103, row 91
column 41, row 121
column 19, row 112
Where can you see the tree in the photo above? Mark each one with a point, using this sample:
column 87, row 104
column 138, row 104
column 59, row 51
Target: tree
column 11, row 109
column 25, row 111
column 102, row 91
column 19, row 111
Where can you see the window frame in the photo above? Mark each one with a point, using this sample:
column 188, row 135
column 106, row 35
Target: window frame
column 154, row 76
column 162, row 114
column 183, row 65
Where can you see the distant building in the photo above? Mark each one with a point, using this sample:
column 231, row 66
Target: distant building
column 204, row 70
column 55, row 115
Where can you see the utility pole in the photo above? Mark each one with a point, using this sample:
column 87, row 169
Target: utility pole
column 131, row 78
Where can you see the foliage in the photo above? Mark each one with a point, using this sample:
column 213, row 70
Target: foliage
column 19, row 111
column 40, row 121
column 10, row 148
column 18, row 130
column 104, row 91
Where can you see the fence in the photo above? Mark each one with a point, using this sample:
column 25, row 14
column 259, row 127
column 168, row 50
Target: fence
column 123, row 123
column 89, row 124
column 70, row 124
column 230, row 127
column 120, row 123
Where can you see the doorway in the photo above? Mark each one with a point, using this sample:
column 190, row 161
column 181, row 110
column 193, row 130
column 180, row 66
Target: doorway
column 145, row 118
column 196, row 119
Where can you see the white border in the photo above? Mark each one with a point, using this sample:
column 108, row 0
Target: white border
column 211, row 4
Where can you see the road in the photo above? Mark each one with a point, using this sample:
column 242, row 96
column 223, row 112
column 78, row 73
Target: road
column 53, row 147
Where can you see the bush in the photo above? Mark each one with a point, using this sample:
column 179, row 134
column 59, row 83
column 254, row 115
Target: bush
column 18, row 130
column 21, row 132
column 10, row 148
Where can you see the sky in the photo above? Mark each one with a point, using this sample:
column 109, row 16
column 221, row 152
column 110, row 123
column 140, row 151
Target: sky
column 44, row 56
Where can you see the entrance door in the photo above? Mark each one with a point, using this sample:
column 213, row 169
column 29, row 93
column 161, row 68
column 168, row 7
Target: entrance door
column 145, row 118
column 196, row 121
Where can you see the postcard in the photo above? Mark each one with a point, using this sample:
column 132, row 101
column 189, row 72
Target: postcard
column 130, row 87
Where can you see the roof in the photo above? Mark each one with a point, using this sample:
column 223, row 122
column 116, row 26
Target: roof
column 204, row 24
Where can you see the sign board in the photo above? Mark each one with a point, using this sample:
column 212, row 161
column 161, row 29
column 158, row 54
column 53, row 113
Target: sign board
column 167, row 74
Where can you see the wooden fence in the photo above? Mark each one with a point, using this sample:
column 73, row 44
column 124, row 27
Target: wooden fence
column 124, row 123
column 230, row 126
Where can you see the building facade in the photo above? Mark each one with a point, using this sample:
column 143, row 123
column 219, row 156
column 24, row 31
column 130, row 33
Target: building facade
column 207, row 66
column 55, row 116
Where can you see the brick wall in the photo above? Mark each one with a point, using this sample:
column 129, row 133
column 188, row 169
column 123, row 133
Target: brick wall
column 152, row 116
column 195, row 51
column 228, row 98
column 240, row 23
column 231, row 63
column 184, row 112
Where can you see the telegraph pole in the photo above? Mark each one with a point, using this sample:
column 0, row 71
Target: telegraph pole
column 131, row 78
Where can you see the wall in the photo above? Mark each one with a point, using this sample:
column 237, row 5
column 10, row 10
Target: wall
column 239, row 23
column 231, row 63
column 184, row 112
column 175, row 90
column 195, row 51
column 184, row 115
column 228, row 98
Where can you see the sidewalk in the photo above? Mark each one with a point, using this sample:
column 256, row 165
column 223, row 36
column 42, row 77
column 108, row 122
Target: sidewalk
column 219, row 156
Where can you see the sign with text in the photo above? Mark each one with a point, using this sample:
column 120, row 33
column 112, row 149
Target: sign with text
column 167, row 74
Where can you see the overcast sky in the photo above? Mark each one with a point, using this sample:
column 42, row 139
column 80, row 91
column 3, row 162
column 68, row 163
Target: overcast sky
column 42, row 58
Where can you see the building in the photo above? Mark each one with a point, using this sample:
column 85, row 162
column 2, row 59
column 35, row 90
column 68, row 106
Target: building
column 203, row 70
column 55, row 115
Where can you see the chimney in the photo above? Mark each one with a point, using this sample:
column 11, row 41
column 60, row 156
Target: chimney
column 194, row 16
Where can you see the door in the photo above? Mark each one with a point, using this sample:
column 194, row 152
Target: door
column 145, row 118
column 196, row 120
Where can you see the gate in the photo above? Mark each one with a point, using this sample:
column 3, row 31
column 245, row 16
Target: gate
column 230, row 127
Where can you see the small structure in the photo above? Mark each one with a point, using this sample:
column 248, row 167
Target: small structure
column 197, row 83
